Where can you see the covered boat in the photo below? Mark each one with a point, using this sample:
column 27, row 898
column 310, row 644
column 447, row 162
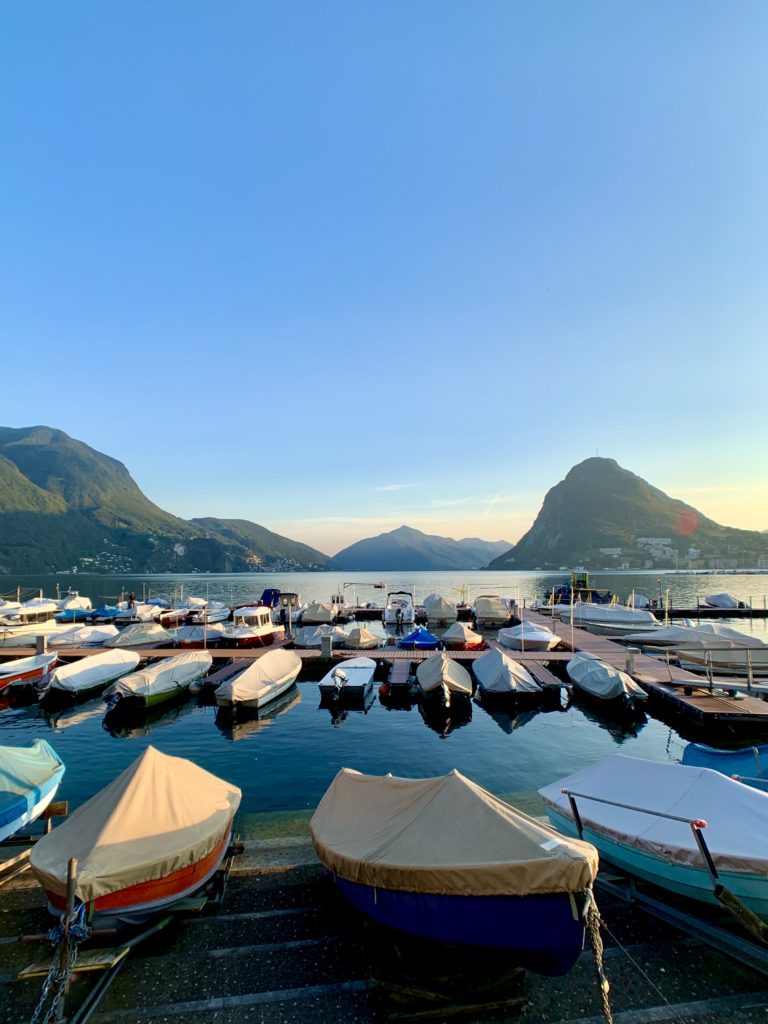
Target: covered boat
column 498, row 675
column 87, row 676
column 26, row 671
column 83, row 636
column 362, row 639
column 419, row 640
column 749, row 765
column 609, row 620
column 196, row 637
column 727, row 601
column 443, row 678
column 264, row 680
column 528, row 637
column 144, row 612
column 154, row 835
column 491, row 612
column 639, row 815
column 444, row 859
column 142, row 634
column 312, row 636
column 353, row 677
column 318, row 614
column 460, row 637
column 212, row 611
column 703, row 635
column 160, row 680
column 604, row 683
column 438, row 610
column 29, row 778
column 734, row 661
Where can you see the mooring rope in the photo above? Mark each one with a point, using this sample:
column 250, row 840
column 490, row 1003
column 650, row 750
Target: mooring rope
column 75, row 931
column 593, row 928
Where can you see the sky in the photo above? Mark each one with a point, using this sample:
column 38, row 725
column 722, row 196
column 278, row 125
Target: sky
column 335, row 267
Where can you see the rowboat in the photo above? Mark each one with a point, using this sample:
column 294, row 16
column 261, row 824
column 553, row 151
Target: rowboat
column 88, row 676
column 444, row 859
column 498, row 675
column 643, row 816
column 161, row 680
column 153, row 836
column 29, row 671
column 528, row 637
column 442, row 678
column 261, row 682
column 353, row 678
column 419, row 640
column 29, row 778
column 459, row 637
column 603, row 683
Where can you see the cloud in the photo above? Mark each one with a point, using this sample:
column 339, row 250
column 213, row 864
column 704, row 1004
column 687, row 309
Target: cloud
column 393, row 487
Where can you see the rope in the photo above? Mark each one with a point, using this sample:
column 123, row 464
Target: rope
column 640, row 971
column 74, row 930
column 593, row 928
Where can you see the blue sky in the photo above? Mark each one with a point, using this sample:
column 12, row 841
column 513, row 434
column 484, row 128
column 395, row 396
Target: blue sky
column 334, row 267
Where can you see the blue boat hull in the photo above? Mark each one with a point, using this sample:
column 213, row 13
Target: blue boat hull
column 543, row 932
column 23, row 809
column 749, row 763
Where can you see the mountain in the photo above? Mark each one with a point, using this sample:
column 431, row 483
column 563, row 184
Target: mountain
column 406, row 548
column 602, row 514
column 65, row 505
column 268, row 546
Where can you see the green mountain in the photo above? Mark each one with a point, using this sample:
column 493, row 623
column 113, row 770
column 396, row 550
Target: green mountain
column 64, row 505
column 265, row 545
column 601, row 515
column 406, row 548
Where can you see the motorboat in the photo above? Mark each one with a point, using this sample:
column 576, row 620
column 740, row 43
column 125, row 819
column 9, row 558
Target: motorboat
column 577, row 588
column 83, row 636
column 88, row 676
column 351, row 678
column 446, row 860
column 263, row 681
column 73, row 601
column 318, row 614
column 734, row 661
column 442, row 678
column 603, row 683
column 143, row 612
column 749, row 764
column 360, row 638
column 197, row 637
column 489, row 611
column 609, row 620
column 399, row 610
column 26, row 671
column 142, row 634
column 726, row 601
column 210, row 612
column 312, row 636
column 29, row 778
column 36, row 610
column 460, row 637
column 438, row 610
column 25, row 635
column 498, row 675
column 528, row 636
column 418, row 640
column 153, row 836
column 706, row 635
column 643, row 816
column 160, row 680
column 252, row 627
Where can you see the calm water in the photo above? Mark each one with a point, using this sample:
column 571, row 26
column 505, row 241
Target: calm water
column 284, row 763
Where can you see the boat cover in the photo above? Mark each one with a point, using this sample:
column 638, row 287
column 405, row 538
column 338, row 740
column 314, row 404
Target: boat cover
column 311, row 636
column 707, row 634
column 600, row 679
column 736, row 815
column 527, row 633
column 497, row 673
column 439, row 670
column 160, row 815
column 442, row 835
column 163, row 676
column 16, row 667
column 490, row 607
column 74, row 602
column 318, row 613
column 436, row 608
column 610, row 615
column 360, row 639
column 460, row 632
column 23, row 771
column 83, row 636
column 420, row 637
column 270, row 671
column 93, row 670
column 210, row 633
column 722, row 601
column 141, row 633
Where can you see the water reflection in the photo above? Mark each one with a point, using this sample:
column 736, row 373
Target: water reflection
column 240, row 723
column 126, row 722
column 445, row 720
column 339, row 706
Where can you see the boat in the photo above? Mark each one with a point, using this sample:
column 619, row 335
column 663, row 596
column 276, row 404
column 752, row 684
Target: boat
column 261, row 682
column 160, row 680
column 727, row 601
column 639, row 814
column 442, row 678
column 438, row 610
column 460, row 637
column 577, row 588
column 252, row 627
column 419, row 640
column 399, row 610
column 446, row 860
column 498, row 675
column 734, row 661
column 142, row 634
column 26, row 671
column 704, row 635
column 362, row 639
column 312, row 636
column 197, row 637
column 749, row 764
column 104, row 613
column 318, row 614
column 29, row 778
column 210, row 612
column 489, row 611
column 144, row 612
column 25, row 635
column 609, row 620
column 156, row 834
column 603, row 683
column 528, row 637
column 352, row 678
column 36, row 610
column 83, row 678
column 83, row 636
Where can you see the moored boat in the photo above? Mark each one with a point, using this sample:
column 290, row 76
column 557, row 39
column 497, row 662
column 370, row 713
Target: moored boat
column 352, row 678
column 438, row 610
column 603, row 683
column 312, row 636
column 263, row 681
column 444, row 859
column 528, row 637
column 318, row 614
column 489, row 611
column 443, row 679
column 399, row 610
column 609, row 620
column 84, row 636
column 726, row 601
column 29, row 778
column 142, row 634
column 252, row 627
column 749, row 764
column 88, row 676
column 360, row 638
column 734, row 661
column 461, row 637
column 498, row 675
column 26, row 671
column 419, row 640
column 160, row 680
column 198, row 637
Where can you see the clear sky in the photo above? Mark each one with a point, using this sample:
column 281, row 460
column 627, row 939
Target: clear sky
column 339, row 266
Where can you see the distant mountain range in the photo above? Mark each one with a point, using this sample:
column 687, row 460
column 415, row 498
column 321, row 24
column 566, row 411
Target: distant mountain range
column 603, row 515
column 64, row 505
column 409, row 549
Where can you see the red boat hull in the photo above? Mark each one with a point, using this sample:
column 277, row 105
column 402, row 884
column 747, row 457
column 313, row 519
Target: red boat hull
column 32, row 676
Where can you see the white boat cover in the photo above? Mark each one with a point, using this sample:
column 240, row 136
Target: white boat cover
column 74, row 602
column 497, row 673
column 488, row 606
column 19, row 665
column 139, row 613
column 23, row 769
column 362, row 639
column 40, row 604
column 83, row 636
column 438, row 609
column 722, row 601
column 193, row 602
column 461, row 633
column 8, row 607
column 600, row 679
column 707, row 634
column 164, row 676
column 353, row 675
column 263, row 677
column 441, row 671
column 318, row 614
column 139, row 634
column 736, row 814
column 210, row 633
column 528, row 634
column 737, row 660
column 616, row 615
column 442, row 835
column 311, row 636
column 93, row 671
column 160, row 815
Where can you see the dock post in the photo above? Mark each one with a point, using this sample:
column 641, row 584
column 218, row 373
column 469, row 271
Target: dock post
column 629, row 660
column 41, row 644
column 326, row 647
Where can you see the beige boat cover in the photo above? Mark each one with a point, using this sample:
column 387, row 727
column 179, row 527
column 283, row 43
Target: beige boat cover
column 497, row 673
column 488, row 606
column 439, row 669
column 443, row 835
column 160, row 815
column 437, row 608
column 461, row 633
column 362, row 639
column 318, row 614
column 268, row 673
